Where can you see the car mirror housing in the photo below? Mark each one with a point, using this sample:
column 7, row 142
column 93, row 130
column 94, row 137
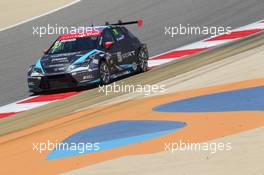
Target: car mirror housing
column 45, row 51
column 108, row 44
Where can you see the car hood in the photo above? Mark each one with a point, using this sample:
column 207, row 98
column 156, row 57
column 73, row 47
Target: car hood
column 59, row 63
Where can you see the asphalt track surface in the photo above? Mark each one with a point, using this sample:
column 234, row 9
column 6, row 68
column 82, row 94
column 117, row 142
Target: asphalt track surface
column 92, row 98
column 19, row 48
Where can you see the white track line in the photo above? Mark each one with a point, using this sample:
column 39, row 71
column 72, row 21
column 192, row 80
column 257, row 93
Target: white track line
column 14, row 107
column 205, row 44
column 36, row 17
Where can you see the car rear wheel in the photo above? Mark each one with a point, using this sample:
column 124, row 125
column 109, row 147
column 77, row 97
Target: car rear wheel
column 143, row 60
column 104, row 73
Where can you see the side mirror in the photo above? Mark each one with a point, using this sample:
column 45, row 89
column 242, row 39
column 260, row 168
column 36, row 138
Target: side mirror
column 45, row 51
column 108, row 44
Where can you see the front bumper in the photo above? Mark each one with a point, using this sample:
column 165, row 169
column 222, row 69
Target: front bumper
column 61, row 81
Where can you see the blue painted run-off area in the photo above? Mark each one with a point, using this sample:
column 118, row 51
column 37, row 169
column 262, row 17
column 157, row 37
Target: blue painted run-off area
column 250, row 99
column 117, row 134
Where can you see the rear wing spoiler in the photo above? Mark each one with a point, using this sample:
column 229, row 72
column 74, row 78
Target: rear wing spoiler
column 120, row 23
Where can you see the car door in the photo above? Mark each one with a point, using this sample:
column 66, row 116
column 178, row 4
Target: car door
column 132, row 44
column 113, row 51
column 127, row 51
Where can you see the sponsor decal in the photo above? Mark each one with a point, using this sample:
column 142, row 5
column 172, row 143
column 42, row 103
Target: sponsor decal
column 87, row 77
column 128, row 54
column 63, row 59
column 56, row 65
column 60, row 69
column 119, row 56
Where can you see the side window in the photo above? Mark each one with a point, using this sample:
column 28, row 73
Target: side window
column 107, row 36
column 118, row 33
column 131, row 35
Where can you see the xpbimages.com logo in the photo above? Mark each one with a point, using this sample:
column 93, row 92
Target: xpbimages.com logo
column 60, row 30
column 212, row 147
column 173, row 31
column 146, row 89
column 81, row 147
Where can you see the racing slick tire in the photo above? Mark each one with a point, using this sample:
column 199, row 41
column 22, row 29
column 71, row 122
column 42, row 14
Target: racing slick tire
column 104, row 73
column 143, row 59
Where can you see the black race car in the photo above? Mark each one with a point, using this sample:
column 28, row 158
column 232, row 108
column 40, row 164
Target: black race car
column 96, row 56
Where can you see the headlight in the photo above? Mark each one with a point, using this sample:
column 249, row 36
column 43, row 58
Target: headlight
column 36, row 72
column 80, row 66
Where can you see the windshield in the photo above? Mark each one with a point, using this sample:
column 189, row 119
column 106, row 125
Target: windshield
column 74, row 45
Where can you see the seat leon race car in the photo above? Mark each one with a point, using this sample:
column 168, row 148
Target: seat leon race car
column 95, row 56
